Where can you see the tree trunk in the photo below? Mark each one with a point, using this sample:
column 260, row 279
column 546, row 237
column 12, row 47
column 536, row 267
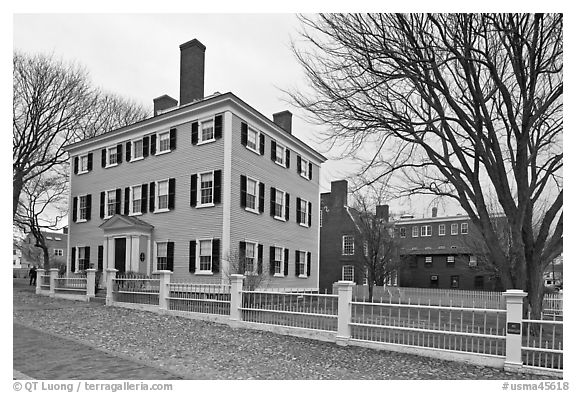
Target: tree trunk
column 17, row 185
column 46, row 257
column 370, row 291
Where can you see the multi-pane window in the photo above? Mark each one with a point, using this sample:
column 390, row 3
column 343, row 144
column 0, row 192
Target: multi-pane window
column 162, row 256
column 278, row 260
column 302, row 263
column 111, row 203
column 58, row 252
column 83, row 207
column 252, row 141
column 428, row 260
column 82, row 258
column 347, row 245
column 250, row 258
column 473, row 261
column 205, row 255
column 366, row 249
column 392, row 278
column 426, row 230
column 304, row 168
column 454, row 229
column 403, row 232
column 112, row 156
column 450, row 259
column 206, row 188
column 136, row 200
column 414, row 231
column 304, row 212
column 279, row 204
column 464, row 228
column 137, row 149
column 83, row 164
column 441, row 230
column 251, row 193
column 434, row 281
column 162, row 195
column 347, row 273
column 207, row 131
column 454, row 281
column 280, row 154
column 163, row 142
column 479, row 282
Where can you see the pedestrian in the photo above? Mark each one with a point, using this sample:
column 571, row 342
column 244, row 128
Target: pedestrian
column 32, row 274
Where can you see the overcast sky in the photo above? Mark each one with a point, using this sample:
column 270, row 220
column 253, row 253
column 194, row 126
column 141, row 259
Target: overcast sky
column 137, row 56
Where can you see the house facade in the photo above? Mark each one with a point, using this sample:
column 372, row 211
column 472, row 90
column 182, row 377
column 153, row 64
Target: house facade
column 30, row 255
column 202, row 189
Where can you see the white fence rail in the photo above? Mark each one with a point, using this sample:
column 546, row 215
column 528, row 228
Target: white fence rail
column 199, row 298
column 542, row 343
column 553, row 304
column 136, row 290
column 71, row 284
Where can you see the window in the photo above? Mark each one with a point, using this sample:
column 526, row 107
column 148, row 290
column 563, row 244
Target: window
column 49, row 237
column 454, row 281
column 348, row 273
column 414, row 231
column 302, row 263
column 162, row 256
column 57, row 238
column 454, row 229
column 347, row 245
column 206, row 188
column 83, row 208
column 250, row 259
column 83, row 258
column 303, row 212
column 110, row 203
column 403, row 232
column 112, row 156
column 207, row 131
column 426, row 230
column 304, row 168
column 83, row 164
column 441, row 230
column 464, row 228
column 473, row 261
column 252, row 142
column 136, row 202
column 392, row 278
column 137, row 149
column 278, row 261
column 479, row 282
column 251, row 194
column 365, row 278
column 58, row 252
column 280, row 155
column 163, row 142
column 450, row 259
column 428, row 260
column 279, row 204
column 162, row 197
column 434, row 281
column 205, row 255
column 365, row 248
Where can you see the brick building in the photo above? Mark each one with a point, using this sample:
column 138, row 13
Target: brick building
column 57, row 249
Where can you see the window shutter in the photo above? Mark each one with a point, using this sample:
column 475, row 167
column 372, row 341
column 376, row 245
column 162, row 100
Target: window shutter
column 260, row 256
column 194, row 133
column 102, row 201
column 297, row 257
column 261, row 198
column 152, row 144
column 286, row 257
column 192, row 256
column 193, row 189
column 103, row 158
column 128, row 151
column 287, row 158
column 287, row 213
column 272, row 255
column 75, row 165
column 272, row 198
column 215, row 255
column 217, row 187
column 273, row 150
column 244, row 133
column 87, row 259
column 262, row 142
column 298, row 164
column 173, row 139
column 242, row 258
column 298, row 210
column 89, row 161
column 218, row 127
column 145, row 146
column 309, row 214
column 73, row 259
column 88, row 207
column 75, row 209
column 126, row 201
column 170, row 256
column 309, row 171
column 144, row 203
column 119, row 153
column 152, row 198
column 309, row 264
column 100, row 258
column 243, row 187
column 118, row 200
column 171, row 193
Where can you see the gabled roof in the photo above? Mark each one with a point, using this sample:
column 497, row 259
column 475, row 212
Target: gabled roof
column 119, row 221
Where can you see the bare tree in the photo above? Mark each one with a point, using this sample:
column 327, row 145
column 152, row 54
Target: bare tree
column 251, row 268
column 454, row 105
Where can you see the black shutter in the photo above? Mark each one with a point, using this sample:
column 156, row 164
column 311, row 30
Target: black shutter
column 73, row 260
column 152, row 144
column 217, row 187
column 272, row 200
column 88, row 207
column 152, row 198
column 173, row 139
column 261, row 198
column 102, row 203
column 215, row 255
column 242, row 258
column 218, row 127
column 103, row 158
column 262, row 144
column 86, row 258
column 298, row 210
column 126, row 201
column 170, row 256
column 74, row 209
column 171, row 193
column 145, row 146
column 243, row 182
column 309, row 171
column 75, row 165
column 308, row 264
column 286, row 258
column 128, row 151
column 195, row 133
column 287, row 213
column 118, row 201
column 287, row 158
column 89, row 161
column 260, row 256
column 119, row 154
column 309, row 214
column 273, row 150
column 192, row 257
column 193, row 189
column 144, row 203
column 100, row 258
column 297, row 258
column 272, row 255
column 298, row 164
column 244, row 133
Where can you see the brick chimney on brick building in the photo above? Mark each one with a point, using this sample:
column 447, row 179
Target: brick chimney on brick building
column 383, row 212
column 284, row 120
column 164, row 102
column 339, row 193
column 191, row 71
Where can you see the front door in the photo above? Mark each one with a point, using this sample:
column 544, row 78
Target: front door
column 120, row 254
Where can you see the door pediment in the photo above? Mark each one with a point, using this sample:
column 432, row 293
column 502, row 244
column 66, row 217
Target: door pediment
column 120, row 223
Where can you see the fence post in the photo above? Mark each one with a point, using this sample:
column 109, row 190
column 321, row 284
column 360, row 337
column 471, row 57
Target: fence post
column 110, row 275
column 90, row 283
column 53, row 277
column 39, row 274
column 514, row 299
column 164, row 289
column 344, row 311
column 236, row 282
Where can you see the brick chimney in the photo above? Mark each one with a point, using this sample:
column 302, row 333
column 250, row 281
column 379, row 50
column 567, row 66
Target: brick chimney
column 434, row 211
column 383, row 212
column 339, row 193
column 284, row 120
column 191, row 71
column 164, row 102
